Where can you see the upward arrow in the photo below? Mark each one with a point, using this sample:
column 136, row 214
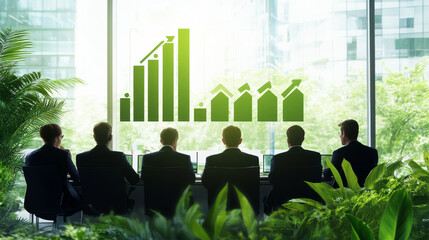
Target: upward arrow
column 153, row 50
column 244, row 88
column 223, row 88
column 267, row 85
column 295, row 83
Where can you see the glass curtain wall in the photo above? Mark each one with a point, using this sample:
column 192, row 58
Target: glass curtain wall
column 69, row 40
column 402, row 91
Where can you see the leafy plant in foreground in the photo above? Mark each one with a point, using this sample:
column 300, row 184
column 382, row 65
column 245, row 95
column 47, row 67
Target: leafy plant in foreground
column 396, row 222
column 26, row 102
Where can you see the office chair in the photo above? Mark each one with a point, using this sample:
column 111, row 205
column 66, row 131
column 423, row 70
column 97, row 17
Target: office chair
column 104, row 190
column 45, row 192
column 163, row 187
column 246, row 179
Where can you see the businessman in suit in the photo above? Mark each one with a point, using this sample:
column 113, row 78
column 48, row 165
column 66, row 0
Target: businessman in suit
column 290, row 169
column 362, row 158
column 231, row 157
column 102, row 157
column 167, row 156
column 163, row 197
column 53, row 154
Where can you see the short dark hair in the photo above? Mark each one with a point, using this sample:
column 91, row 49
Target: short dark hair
column 49, row 132
column 169, row 135
column 295, row 134
column 232, row 136
column 350, row 127
column 102, row 133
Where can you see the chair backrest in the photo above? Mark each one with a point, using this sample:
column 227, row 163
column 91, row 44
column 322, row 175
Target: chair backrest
column 163, row 187
column 45, row 189
column 104, row 190
column 290, row 184
column 246, row 179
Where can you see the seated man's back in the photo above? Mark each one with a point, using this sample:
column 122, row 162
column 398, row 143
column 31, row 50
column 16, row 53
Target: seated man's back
column 102, row 157
column 362, row 158
column 166, row 174
column 219, row 169
column 103, row 173
column 168, row 157
column 290, row 169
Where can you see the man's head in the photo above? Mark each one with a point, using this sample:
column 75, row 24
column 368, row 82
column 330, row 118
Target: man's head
column 103, row 133
column 169, row 136
column 231, row 136
column 295, row 135
column 349, row 131
column 51, row 134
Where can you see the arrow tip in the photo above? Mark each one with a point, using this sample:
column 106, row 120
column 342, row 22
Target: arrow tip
column 170, row 38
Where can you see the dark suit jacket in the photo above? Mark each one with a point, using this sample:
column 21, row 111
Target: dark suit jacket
column 362, row 158
column 286, row 175
column 50, row 155
column 167, row 157
column 231, row 157
column 102, row 156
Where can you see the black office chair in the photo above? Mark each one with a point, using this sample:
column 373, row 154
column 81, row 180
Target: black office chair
column 163, row 187
column 104, row 190
column 290, row 184
column 246, row 179
column 45, row 192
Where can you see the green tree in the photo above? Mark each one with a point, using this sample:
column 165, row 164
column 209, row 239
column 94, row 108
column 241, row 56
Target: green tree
column 403, row 112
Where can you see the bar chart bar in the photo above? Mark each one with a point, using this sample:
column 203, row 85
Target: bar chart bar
column 183, row 73
column 200, row 114
column 153, row 88
column 138, row 105
column 124, row 105
column 168, row 82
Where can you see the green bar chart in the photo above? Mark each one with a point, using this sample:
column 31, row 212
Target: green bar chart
column 153, row 90
column 183, row 77
column 168, row 82
column 200, row 114
column 125, row 108
column 138, row 105
column 219, row 111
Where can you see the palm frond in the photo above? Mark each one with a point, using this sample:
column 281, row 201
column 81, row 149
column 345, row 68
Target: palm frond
column 13, row 45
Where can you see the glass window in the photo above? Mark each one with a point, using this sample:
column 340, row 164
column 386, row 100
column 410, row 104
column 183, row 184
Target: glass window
column 402, row 88
column 238, row 42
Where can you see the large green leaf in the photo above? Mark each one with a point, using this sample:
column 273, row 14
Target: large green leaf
column 325, row 191
column 13, row 45
column 307, row 201
column 360, row 230
column 397, row 219
column 335, row 172
column 426, row 158
column 216, row 217
column 248, row 215
column 352, row 181
column 418, row 171
column 299, row 207
column 375, row 175
column 392, row 167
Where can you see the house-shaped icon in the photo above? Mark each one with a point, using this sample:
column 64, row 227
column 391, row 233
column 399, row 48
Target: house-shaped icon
column 293, row 103
column 267, row 104
column 243, row 105
column 220, row 104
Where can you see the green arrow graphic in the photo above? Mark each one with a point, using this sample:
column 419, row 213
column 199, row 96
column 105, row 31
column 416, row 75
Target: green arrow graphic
column 244, row 88
column 223, row 88
column 153, row 50
column 295, row 83
column 267, row 85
